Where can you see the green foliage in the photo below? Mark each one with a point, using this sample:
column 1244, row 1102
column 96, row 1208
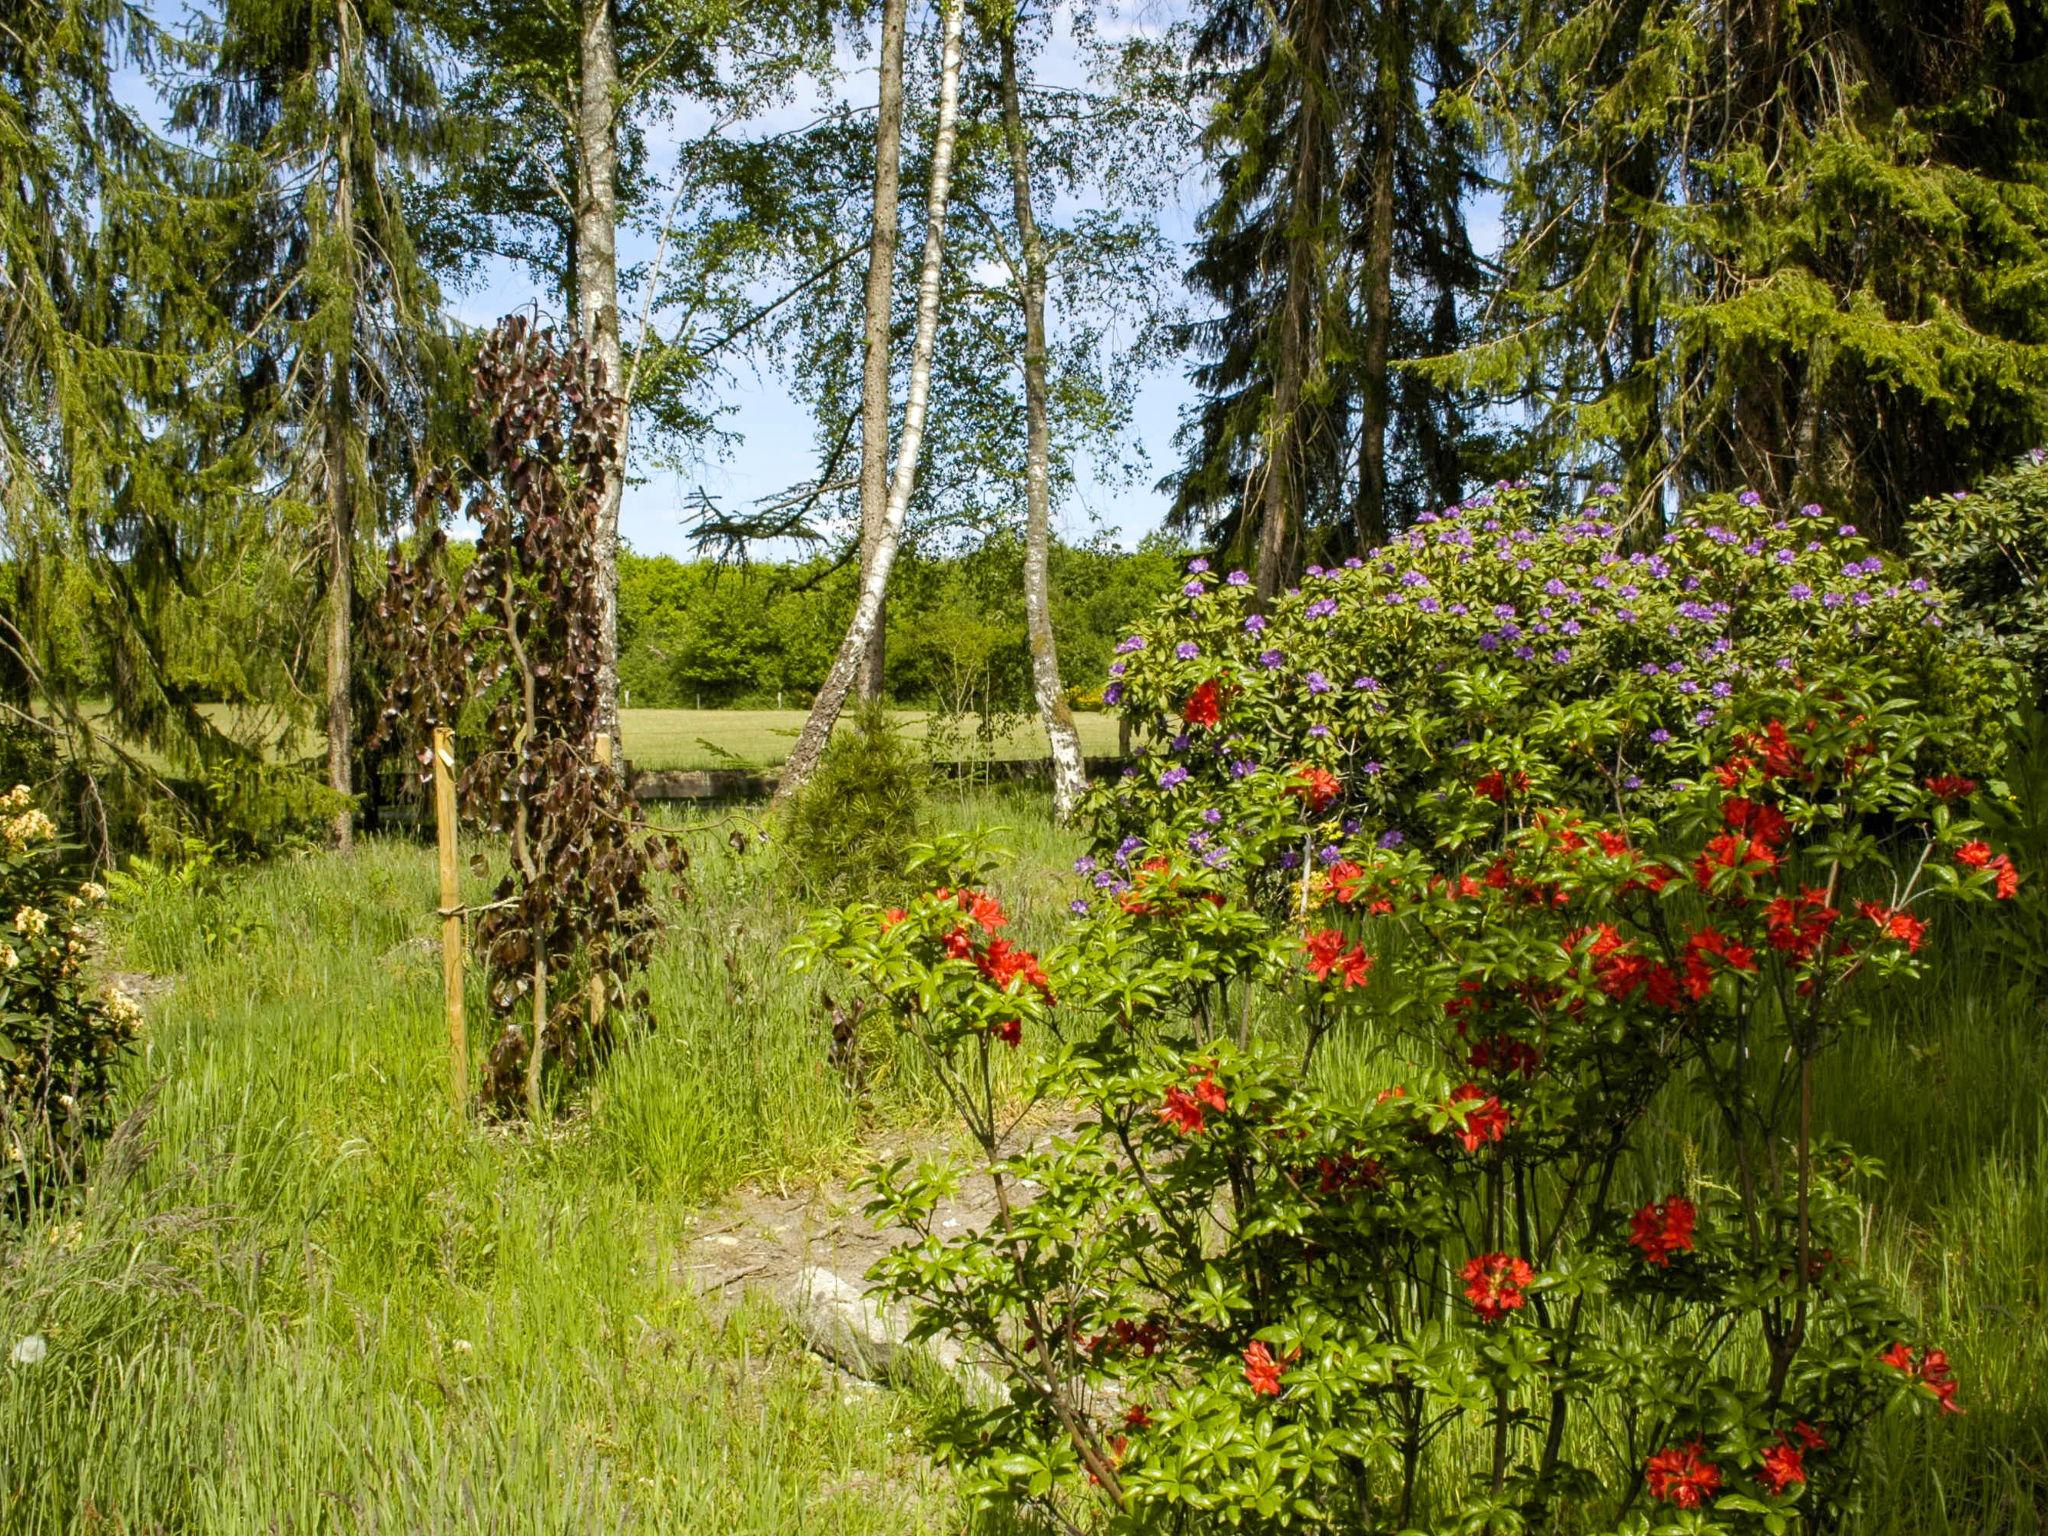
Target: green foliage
column 1989, row 546
column 1487, row 655
column 1249, row 1290
column 849, row 830
column 62, row 1041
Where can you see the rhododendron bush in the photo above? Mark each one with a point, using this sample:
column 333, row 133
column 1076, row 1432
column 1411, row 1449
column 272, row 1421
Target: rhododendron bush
column 1364, row 1208
column 1487, row 656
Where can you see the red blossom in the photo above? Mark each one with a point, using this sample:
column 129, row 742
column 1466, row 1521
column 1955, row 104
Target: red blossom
column 1928, row 1367
column 1755, row 818
column 1662, row 1228
column 1783, row 1465
column 1681, row 1475
column 1496, row 786
column 1613, row 844
column 1903, row 926
column 1808, row 1437
column 1010, row 1031
column 1208, row 1092
column 1138, row 1416
column 1004, row 962
column 1505, row 1054
column 1183, row 1112
column 2007, row 883
column 1494, row 1283
column 892, row 917
column 1318, row 788
column 1797, row 926
column 1327, row 952
column 1751, row 856
column 958, row 944
column 1486, row 1118
column 1261, row 1369
column 1951, row 786
column 1348, row 1171
column 980, row 907
column 1204, row 706
column 1974, row 855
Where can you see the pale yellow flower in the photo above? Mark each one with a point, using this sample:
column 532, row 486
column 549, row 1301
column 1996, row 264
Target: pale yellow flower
column 32, row 920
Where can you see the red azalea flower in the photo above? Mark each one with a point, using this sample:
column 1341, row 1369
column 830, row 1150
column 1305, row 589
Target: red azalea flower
column 1493, row 1284
column 1204, row 706
column 1183, row 1112
column 1681, row 1475
column 1348, row 1171
column 1903, row 926
column 1754, row 818
column 2008, row 878
column 1504, row 1053
column 1496, row 786
column 980, row 907
column 1951, row 786
column 1261, row 1369
column 1318, row 788
column 1797, row 926
column 1613, row 844
column 1010, row 1031
column 1930, row 1368
column 1138, row 1416
column 1974, row 855
column 1004, row 963
column 1783, row 1465
column 1486, row 1118
column 1327, row 952
column 1208, row 1092
column 1662, row 1228
column 1751, row 856
column 1898, row 1357
column 959, row 945
column 892, row 917
column 1808, row 1437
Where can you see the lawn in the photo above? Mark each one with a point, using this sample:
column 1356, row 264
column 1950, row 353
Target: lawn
column 304, row 1296
column 760, row 738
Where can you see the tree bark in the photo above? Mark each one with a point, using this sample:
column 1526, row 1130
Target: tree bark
column 341, row 522
column 597, row 303
column 874, row 584
column 1069, row 776
column 1279, row 509
column 881, row 296
column 1376, row 402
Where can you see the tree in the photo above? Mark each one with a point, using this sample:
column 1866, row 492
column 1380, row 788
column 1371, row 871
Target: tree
column 1335, row 251
column 817, row 729
column 324, row 110
column 1793, row 248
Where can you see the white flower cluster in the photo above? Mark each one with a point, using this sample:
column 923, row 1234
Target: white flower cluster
column 22, row 821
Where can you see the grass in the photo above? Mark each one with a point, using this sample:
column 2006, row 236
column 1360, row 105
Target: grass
column 302, row 1296
column 761, row 738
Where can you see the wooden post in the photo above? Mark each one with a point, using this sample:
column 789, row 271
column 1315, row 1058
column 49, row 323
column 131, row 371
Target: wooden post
column 451, row 917
column 596, row 986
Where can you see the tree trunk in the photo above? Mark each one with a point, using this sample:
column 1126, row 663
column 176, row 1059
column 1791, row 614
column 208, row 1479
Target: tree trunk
column 1279, row 510
column 341, row 525
column 1069, row 777
column 1376, row 404
column 881, row 296
column 597, row 304
column 874, row 583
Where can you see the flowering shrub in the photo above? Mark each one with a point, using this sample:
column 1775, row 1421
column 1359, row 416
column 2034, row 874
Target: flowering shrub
column 1445, row 1282
column 1485, row 658
column 61, row 1040
column 1989, row 545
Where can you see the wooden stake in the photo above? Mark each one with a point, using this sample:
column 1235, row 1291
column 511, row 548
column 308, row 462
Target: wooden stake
column 451, row 917
column 604, row 760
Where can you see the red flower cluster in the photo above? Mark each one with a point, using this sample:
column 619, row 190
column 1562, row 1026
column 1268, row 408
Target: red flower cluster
column 1145, row 1338
column 1348, row 1171
column 1494, row 1284
column 1009, row 1031
column 1662, row 1228
column 1797, row 926
column 1785, row 1463
column 1327, row 953
column 1770, row 751
column 1699, row 976
column 1184, row 1111
column 1681, row 1475
column 1486, row 1118
column 1503, row 1053
column 1951, row 786
column 1495, row 786
column 1204, row 706
column 1978, row 855
column 1262, row 1370
column 981, row 908
column 1003, row 963
column 1751, row 856
column 1928, row 1367
column 1903, row 926
column 1318, row 788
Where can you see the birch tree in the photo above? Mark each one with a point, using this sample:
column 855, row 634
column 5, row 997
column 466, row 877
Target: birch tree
column 867, row 615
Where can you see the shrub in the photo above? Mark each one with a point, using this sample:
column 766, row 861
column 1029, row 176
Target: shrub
column 1456, row 1290
column 849, row 830
column 61, row 1039
column 1486, row 657
column 1990, row 547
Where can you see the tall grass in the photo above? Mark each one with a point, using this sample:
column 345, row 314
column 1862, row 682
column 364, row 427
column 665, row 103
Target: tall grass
column 302, row 1295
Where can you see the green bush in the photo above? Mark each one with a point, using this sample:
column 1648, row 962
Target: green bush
column 1989, row 546
column 61, row 1040
column 848, row 831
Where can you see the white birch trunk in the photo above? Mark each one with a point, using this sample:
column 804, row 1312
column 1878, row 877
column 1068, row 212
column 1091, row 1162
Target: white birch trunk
column 881, row 298
column 1069, row 775
column 597, row 303
column 874, row 582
